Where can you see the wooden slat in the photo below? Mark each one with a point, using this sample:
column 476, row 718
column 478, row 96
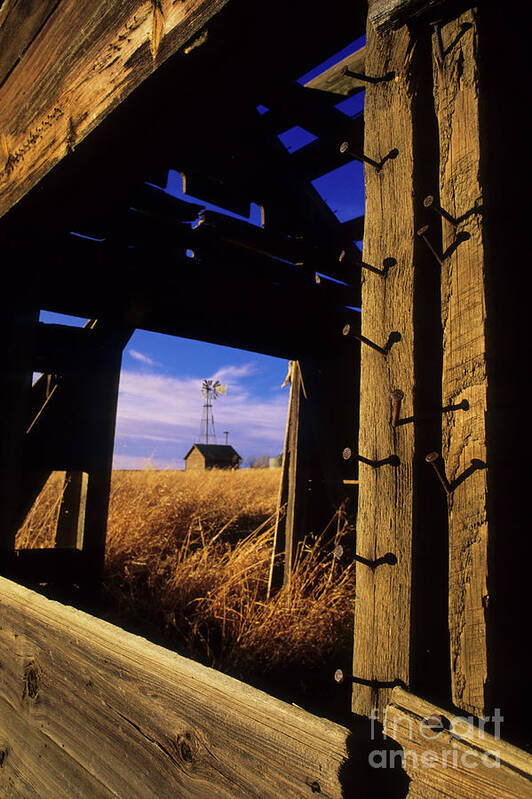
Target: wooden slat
column 20, row 22
column 462, row 761
column 332, row 79
column 216, row 191
column 137, row 720
column 17, row 326
column 387, row 15
column 464, row 361
column 85, row 60
column 386, row 494
column 298, row 471
column 323, row 155
column 311, row 110
column 71, row 520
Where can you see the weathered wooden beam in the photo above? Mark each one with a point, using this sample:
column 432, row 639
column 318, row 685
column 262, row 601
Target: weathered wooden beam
column 216, row 191
column 16, row 330
column 465, row 359
column 119, row 715
column 387, row 15
column 70, row 528
column 75, row 70
column 393, row 508
column 20, row 23
column 298, row 471
column 446, row 755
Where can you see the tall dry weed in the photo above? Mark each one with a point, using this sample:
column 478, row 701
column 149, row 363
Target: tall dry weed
column 187, row 562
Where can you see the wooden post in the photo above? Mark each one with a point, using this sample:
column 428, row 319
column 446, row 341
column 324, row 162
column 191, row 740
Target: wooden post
column 400, row 606
column 71, row 520
column 100, row 396
column 457, row 94
column 17, row 331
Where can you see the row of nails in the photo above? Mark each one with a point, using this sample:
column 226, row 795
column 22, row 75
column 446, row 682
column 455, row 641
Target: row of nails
column 440, row 57
column 432, row 457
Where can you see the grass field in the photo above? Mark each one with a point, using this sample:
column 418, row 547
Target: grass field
column 187, row 561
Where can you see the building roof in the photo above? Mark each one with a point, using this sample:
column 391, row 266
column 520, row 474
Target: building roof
column 222, row 452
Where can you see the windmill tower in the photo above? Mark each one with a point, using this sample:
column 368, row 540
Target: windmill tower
column 210, row 391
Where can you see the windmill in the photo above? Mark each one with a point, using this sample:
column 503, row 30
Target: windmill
column 210, row 390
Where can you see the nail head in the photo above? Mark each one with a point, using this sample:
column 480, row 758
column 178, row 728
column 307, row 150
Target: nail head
column 432, row 457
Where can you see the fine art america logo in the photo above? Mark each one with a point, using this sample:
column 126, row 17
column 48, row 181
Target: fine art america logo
column 449, row 753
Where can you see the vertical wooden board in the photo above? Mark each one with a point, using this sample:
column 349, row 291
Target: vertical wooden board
column 71, row 520
column 464, row 359
column 385, row 510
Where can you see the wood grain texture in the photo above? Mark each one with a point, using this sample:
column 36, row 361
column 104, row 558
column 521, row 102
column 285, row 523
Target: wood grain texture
column 87, row 709
column 80, row 65
column 385, row 508
column 20, row 22
column 465, row 761
column 387, row 15
column 464, row 321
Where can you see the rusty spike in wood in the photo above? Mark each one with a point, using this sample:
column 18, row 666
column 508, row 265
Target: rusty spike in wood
column 366, row 78
column 430, row 202
column 345, row 149
column 433, row 458
column 397, row 397
column 422, row 233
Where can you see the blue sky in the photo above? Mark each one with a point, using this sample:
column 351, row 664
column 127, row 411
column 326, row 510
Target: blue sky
column 160, row 405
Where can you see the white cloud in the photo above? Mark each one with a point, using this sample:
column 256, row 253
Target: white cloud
column 139, row 356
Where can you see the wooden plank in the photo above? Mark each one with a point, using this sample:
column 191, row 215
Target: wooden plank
column 465, row 323
column 20, row 22
column 276, row 573
column 333, row 80
column 17, row 326
column 71, row 521
column 216, row 191
column 382, row 643
column 297, row 472
column 83, row 63
column 460, row 761
column 387, row 15
column 142, row 721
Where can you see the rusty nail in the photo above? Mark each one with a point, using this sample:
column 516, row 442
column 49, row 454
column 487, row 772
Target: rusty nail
column 346, row 454
column 430, row 202
column 338, row 551
column 433, row 458
column 346, row 331
column 345, row 149
column 436, row 26
column 397, row 396
column 339, row 676
column 367, row 78
column 422, row 233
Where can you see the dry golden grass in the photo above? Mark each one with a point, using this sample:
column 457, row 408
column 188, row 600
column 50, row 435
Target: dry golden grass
column 187, row 562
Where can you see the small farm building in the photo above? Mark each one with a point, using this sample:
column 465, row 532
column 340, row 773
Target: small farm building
column 212, row 456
